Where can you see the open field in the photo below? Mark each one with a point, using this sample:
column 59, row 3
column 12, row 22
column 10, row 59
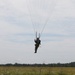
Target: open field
column 37, row 70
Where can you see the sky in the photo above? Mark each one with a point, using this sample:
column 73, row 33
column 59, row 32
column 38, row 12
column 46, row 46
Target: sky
column 20, row 19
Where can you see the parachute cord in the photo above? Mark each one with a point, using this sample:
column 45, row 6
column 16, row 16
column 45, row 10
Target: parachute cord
column 47, row 21
column 44, row 26
column 31, row 17
column 33, row 22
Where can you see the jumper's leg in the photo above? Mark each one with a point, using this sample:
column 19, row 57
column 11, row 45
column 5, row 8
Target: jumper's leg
column 36, row 47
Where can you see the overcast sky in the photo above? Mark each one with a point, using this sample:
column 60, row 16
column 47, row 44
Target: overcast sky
column 19, row 19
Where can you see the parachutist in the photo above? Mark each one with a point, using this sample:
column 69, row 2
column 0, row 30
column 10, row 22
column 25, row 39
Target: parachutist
column 37, row 42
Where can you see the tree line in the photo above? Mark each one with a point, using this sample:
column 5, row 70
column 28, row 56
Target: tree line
column 72, row 64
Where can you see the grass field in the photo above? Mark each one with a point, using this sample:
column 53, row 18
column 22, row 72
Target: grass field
column 37, row 71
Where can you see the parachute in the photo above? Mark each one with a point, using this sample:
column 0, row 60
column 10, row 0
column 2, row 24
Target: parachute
column 40, row 12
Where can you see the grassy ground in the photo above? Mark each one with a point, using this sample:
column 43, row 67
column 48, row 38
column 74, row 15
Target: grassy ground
column 37, row 71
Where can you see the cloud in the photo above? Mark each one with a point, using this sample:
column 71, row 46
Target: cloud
column 17, row 32
column 15, row 17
